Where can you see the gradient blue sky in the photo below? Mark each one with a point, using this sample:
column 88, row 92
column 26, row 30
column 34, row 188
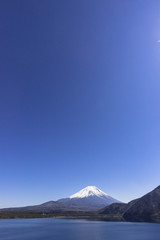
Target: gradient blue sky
column 79, row 98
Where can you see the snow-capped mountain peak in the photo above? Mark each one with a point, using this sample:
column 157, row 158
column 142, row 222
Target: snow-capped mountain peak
column 89, row 198
column 88, row 192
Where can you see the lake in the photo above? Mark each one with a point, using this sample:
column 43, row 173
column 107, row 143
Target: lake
column 65, row 229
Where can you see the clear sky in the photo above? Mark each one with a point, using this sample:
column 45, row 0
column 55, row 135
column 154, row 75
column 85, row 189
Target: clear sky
column 79, row 98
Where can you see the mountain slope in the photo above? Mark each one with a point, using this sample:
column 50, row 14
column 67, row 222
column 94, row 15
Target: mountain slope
column 144, row 209
column 89, row 198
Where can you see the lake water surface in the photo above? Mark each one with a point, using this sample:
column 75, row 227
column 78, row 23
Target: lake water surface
column 65, row 229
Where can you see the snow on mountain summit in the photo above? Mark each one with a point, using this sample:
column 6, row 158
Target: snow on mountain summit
column 89, row 191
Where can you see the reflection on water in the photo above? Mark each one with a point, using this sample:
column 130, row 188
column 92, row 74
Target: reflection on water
column 63, row 229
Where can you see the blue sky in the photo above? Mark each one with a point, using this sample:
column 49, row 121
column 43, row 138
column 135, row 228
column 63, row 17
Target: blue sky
column 79, row 98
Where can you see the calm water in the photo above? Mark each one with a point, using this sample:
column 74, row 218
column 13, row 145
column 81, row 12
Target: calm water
column 62, row 229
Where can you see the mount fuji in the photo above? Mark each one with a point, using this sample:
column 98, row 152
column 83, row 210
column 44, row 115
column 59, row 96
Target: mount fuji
column 88, row 198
